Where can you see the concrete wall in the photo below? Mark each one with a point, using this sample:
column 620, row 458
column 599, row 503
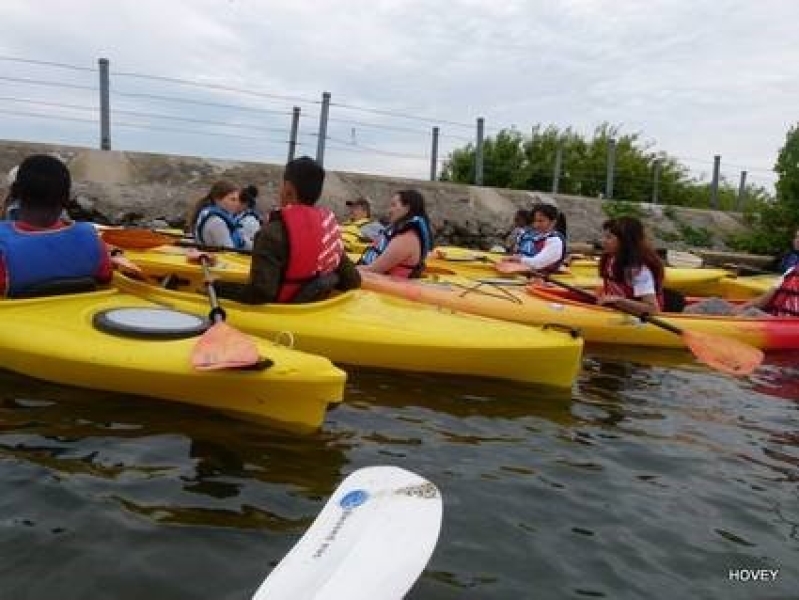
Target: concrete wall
column 141, row 188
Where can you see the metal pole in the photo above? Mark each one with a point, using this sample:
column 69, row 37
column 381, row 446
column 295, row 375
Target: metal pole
column 611, row 168
column 295, row 126
column 556, row 172
column 741, row 192
column 434, row 155
column 478, row 155
column 105, row 108
column 320, row 147
column 655, row 180
column 714, row 184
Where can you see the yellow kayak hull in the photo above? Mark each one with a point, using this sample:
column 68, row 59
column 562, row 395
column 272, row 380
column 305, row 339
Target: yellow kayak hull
column 372, row 330
column 582, row 273
column 54, row 338
column 596, row 324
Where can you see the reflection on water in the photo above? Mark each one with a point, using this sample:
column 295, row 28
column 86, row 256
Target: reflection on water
column 653, row 479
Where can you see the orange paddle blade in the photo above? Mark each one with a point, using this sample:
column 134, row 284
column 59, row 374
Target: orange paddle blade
column 723, row 353
column 135, row 239
column 223, row 347
column 125, row 264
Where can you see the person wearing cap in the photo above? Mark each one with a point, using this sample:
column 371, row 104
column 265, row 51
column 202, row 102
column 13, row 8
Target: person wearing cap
column 359, row 227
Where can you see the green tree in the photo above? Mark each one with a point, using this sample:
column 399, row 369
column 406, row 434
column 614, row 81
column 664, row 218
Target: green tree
column 510, row 160
column 773, row 222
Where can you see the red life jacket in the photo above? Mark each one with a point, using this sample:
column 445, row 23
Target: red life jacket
column 315, row 246
column 785, row 302
column 625, row 288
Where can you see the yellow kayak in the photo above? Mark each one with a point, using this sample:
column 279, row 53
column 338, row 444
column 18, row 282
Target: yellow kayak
column 372, row 330
column 61, row 339
column 597, row 324
column 582, row 273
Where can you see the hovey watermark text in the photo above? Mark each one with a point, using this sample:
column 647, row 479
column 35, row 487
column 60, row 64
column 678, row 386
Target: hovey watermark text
column 754, row 575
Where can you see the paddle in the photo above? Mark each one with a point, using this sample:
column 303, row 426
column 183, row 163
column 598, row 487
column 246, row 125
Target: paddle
column 371, row 540
column 221, row 346
column 147, row 239
column 720, row 352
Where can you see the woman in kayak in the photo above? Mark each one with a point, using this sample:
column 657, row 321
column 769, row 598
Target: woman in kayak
column 542, row 245
column 213, row 219
column 401, row 248
column 631, row 271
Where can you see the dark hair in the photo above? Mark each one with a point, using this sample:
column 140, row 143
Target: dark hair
column 249, row 195
column 551, row 212
column 218, row 190
column 414, row 200
column 43, row 182
column 634, row 251
column 522, row 216
column 307, row 177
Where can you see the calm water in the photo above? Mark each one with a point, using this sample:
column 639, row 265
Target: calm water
column 649, row 480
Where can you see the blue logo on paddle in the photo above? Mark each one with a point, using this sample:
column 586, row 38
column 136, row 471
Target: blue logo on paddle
column 353, row 499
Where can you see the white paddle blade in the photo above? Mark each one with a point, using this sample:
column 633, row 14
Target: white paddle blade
column 372, row 540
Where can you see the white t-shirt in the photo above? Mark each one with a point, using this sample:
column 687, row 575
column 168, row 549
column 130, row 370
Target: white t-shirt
column 643, row 282
column 548, row 256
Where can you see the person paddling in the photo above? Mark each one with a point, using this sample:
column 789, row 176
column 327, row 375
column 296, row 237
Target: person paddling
column 631, row 271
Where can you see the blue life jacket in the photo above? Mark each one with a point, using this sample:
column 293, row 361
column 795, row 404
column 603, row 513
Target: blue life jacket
column 791, row 260
column 531, row 243
column 417, row 224
column 36, row 257
column 248, row 212
column 232, row 222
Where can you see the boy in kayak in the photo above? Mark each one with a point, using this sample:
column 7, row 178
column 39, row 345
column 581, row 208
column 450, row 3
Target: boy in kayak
column 40, row 252
column 360, row 227
column 297, row 255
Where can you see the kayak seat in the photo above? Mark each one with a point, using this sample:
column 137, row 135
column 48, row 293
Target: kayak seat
column 57, row 287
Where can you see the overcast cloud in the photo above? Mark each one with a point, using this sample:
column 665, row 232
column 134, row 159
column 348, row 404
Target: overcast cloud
column 695, row 78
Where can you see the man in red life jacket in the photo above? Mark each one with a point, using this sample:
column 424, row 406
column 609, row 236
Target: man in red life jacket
column 40, row 253
column 298, row 255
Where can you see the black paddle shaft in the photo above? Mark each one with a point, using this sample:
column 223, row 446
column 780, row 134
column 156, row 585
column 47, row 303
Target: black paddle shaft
column 646, row 317
column 217, row 312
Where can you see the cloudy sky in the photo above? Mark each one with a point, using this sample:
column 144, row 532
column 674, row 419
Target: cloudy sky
column 695, row 78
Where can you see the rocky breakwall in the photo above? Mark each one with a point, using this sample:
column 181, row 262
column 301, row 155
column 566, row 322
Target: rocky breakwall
column 137, row 188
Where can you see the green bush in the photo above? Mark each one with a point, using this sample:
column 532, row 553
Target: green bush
column 696, row 236
column 619, row 208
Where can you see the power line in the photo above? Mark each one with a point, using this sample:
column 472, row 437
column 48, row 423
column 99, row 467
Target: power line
column 213, row 86
column 44, row 103
column 199, row 102
column 391, row 113
column 47, row 63
column 134, row 113
column 48, row 83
